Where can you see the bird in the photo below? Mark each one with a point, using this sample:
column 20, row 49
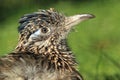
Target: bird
column 42, row 52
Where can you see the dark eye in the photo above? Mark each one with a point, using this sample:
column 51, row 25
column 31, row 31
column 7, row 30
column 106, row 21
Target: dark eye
column 44, row 30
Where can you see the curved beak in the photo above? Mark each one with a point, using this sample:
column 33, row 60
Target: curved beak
column 76, row 19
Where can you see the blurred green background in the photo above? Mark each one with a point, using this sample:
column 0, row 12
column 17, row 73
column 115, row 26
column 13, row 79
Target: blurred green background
column 96, row 42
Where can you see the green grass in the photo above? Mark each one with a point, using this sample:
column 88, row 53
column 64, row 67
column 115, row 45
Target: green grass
column 96, row 43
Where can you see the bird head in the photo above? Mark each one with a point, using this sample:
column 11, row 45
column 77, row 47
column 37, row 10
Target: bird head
column 46, row 27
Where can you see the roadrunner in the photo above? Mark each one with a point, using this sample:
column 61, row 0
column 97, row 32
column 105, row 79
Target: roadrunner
column 42, row 52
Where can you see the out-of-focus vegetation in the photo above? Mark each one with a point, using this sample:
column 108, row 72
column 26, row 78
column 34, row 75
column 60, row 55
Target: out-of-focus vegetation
column 96, row 43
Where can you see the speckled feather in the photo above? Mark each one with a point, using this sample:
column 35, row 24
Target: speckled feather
column 42, row 52
column 30, row 66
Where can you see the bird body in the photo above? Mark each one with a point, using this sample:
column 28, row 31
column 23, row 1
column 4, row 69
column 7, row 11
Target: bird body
column 42, row 52
column 29, row 66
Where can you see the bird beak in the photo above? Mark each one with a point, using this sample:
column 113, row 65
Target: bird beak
column 76, row 19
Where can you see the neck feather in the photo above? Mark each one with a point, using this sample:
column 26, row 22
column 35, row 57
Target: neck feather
column 59, row 54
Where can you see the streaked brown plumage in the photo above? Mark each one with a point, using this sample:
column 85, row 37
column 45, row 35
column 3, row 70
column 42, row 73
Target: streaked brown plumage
column 42, row 52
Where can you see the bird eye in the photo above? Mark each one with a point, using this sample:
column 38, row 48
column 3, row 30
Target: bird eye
column 45, row 30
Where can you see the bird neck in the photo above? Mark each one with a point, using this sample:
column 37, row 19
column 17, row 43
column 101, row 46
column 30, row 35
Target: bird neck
column 58, row 53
